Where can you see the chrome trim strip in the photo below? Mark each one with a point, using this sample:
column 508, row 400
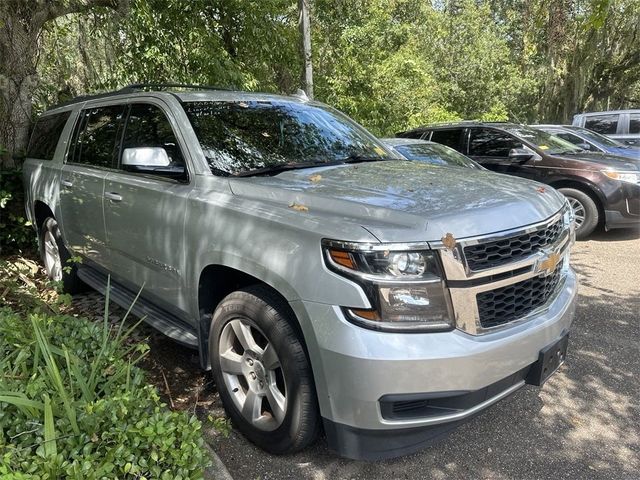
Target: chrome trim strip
column 452, row 417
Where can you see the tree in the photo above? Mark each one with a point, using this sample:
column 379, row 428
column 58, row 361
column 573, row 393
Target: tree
column 22, row 22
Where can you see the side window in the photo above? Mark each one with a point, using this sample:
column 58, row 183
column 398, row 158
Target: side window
column 485, row 142
column 569, row 137
column 45, row 136
column 605, row 124
column 634, row 123
column 149, row 132
column 98, row 136
column 450, row 138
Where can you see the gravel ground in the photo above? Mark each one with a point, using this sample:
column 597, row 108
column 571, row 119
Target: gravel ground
column 585, row 422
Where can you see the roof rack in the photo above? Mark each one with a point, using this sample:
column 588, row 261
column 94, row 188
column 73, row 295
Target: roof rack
column 137, row 87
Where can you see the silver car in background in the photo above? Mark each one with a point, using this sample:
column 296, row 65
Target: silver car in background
column 327, row 282
column 620, row 125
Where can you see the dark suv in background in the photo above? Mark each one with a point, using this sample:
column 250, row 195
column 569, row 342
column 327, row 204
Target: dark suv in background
column 602, row 189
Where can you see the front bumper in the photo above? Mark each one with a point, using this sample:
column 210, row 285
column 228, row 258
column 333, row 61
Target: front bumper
column 355, row 368
column 623, row 209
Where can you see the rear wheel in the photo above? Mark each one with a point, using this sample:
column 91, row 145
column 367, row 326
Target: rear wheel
column 56, row 258
column 262, row 371
column 585, row 210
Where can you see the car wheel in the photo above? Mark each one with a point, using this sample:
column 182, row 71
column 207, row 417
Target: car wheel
column 55, row 257
column 585, row 210
column 262, row 371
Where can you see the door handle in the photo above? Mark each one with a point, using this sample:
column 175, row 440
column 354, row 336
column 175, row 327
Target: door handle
column 114, row 197
column 66, row 183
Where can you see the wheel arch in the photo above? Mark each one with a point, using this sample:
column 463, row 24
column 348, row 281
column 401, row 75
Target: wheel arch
column 584, row 186
column 215, row 282
column 41, row 211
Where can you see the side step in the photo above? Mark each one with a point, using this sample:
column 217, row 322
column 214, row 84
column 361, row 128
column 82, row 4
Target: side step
column 158, row 318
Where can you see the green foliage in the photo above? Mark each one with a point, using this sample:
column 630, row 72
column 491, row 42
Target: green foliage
column 74, row 405
column 16, row 231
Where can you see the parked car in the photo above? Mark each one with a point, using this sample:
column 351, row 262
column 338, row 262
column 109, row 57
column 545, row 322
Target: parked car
column 600, row 188
column 621, row 125
column 324, row 280
column 430, row 152
column 591, row 141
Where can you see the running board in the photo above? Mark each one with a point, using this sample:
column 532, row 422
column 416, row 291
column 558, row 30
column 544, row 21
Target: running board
column 159, row 319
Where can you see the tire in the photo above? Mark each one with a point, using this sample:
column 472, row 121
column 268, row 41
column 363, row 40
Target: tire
column 55, row 257
column 270, row 380
column 582, row 202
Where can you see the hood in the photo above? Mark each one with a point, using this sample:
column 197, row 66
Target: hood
column 400, row 201
column 633, row 153
column 599, row 161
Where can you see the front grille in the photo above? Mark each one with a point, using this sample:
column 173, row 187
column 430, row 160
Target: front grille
column 506, row 304
column 511, row 249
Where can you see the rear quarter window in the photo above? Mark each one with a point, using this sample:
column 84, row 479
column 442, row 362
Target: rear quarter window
column 45, row 136
column 634, row 123
column 605, row 124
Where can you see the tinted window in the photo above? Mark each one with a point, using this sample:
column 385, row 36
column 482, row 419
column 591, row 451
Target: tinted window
column 148, row 126
column 605, row 124
column 485, row 142
column 634, row 123
column 435, row 154
column 45, row 136
column 569, row 137
column 249, row 137
column 98, row 138
column 450, row 138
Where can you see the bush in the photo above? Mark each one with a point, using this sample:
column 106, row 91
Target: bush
column 74, row 405
column 16, row 232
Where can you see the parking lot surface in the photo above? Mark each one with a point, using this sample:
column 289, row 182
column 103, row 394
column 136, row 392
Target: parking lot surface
column 584, row 423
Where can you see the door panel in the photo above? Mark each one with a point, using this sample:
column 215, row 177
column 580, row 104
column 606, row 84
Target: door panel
column 144, row 221
column 81, row 196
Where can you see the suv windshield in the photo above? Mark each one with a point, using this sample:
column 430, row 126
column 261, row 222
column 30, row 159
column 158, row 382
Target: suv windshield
column 543, row 140
column 436, row 154
column 242, row 137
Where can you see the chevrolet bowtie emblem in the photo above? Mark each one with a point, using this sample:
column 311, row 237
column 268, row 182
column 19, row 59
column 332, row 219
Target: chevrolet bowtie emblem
column 548, row 265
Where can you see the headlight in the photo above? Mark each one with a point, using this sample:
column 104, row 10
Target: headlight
column 630, row 177
column 404, row 285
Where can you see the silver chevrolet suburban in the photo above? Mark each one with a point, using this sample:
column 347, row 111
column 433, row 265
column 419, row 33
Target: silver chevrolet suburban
column 326, row 282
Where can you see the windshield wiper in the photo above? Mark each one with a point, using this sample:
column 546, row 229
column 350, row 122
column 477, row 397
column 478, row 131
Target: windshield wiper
column 283, row 168
column 275, row 169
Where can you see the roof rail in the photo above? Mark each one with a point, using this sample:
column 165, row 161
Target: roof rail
column 135, row 87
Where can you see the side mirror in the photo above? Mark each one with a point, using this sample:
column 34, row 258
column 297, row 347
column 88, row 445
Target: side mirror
column 145, row 157
column 520, row 155
column 583, row 146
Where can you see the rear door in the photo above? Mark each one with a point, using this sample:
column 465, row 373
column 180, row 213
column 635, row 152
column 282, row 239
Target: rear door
column 92, row 154
column 145, row 210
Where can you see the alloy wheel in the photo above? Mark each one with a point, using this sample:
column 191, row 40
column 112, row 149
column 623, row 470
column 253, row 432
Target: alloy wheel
column 253, row 374
column 578, row 211
column 52, row 260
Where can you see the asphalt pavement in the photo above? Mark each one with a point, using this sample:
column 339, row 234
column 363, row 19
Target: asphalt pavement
column 584, row 423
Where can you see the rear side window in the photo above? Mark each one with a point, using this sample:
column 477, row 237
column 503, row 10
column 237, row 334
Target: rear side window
column 634, row 123
column 450, row 138
column 605, row 124
column 485, row 142
column 45, row 136
column 569, row 137
column 98, row 136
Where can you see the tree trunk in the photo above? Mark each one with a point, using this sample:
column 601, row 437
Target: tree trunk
column 18, row 41
column 21, row 23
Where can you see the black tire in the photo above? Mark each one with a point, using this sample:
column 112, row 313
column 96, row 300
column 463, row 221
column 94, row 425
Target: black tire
column 71, row 283
column 591, row 211
column 265, row 310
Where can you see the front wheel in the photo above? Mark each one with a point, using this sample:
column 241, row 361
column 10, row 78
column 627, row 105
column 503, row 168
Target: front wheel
column 585, row 211
column 56, row 258
column 262, row 371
